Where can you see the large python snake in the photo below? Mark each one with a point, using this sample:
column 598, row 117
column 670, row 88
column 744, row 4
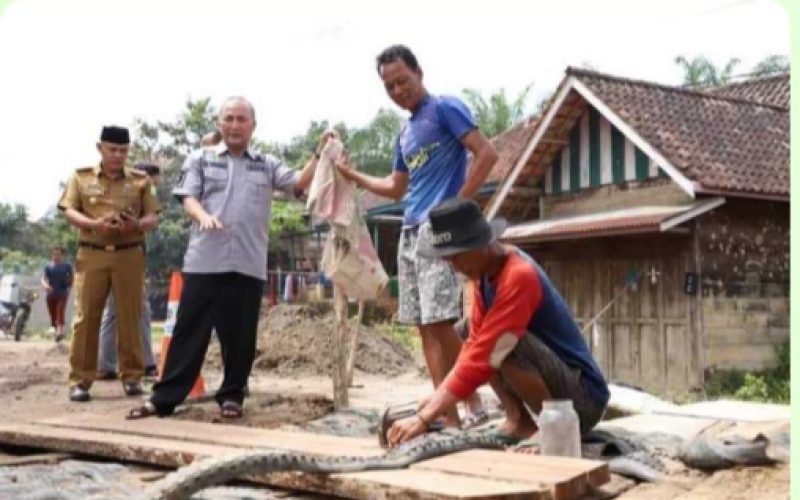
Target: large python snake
column 201, row 474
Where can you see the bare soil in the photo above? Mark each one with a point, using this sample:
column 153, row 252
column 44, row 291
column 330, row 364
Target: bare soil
column 297, row 340
column 265, row 410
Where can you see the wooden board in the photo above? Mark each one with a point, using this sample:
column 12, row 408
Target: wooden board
column 403, row 483
column 220, row 434
column 566, row 477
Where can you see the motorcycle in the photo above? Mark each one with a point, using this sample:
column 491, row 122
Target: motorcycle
column 15, row 306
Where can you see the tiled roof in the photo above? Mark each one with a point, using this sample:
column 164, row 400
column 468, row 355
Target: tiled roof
column 774, row 90
column 509, row 146
column 631, row 220
column 724, row 144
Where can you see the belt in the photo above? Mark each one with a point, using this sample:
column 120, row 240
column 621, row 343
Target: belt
column 109, row 248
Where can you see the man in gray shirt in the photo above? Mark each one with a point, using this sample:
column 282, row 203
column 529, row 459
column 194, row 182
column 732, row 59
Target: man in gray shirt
column 227, row 192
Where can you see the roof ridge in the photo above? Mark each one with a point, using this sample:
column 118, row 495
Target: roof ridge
column 756, row 79
column 573, row 71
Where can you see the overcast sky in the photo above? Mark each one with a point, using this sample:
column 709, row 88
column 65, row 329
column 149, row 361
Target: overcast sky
column 70, row 67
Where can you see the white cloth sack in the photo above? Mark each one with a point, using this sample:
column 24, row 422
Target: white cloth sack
column 349, row 259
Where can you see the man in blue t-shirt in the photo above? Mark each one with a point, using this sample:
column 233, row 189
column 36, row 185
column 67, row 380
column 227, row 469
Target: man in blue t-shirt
column 57, row 281
column 430, row 166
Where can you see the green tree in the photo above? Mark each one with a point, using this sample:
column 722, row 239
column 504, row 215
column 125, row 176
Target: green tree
column 287, row 217
column 700, row 71
column 772, row 65
column 372, row 147
column 13, row 224
column 167, row 143
column 497, row 113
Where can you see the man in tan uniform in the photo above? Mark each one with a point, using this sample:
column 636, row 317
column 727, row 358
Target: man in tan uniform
column 112, row 206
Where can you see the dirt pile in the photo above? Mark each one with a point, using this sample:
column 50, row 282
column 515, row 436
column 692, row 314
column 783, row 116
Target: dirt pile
column 298, row 340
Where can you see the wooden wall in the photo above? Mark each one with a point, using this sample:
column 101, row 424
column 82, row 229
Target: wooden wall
column 648, row 337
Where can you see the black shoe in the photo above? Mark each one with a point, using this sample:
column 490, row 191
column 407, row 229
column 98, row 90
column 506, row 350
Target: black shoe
column 79, row 395
column 106, row 376
column 151, row 371
column 133, row 389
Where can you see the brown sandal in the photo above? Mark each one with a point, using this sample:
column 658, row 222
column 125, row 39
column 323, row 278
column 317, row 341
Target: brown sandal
column 231, row 410
column 144, row 411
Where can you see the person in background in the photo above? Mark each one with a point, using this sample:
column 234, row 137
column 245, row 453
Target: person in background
column 57, row 282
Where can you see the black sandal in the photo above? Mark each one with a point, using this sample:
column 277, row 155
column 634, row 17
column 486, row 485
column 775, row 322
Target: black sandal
column 144, row 411
column 231, row 410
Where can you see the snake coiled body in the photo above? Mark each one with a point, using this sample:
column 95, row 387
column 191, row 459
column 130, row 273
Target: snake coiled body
column 182, row 483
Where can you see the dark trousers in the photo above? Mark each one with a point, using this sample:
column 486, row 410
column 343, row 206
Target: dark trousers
column 227, row 302
column 56, row 306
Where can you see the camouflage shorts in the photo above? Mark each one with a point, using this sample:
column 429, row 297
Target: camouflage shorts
column 430, row 291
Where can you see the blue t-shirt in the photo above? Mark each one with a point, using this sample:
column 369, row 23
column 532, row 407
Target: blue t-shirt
column 430, row 150
column 59, row 276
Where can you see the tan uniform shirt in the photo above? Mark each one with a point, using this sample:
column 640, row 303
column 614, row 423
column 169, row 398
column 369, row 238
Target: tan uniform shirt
column 96, row 195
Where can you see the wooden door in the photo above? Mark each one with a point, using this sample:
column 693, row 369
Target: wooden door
column 646, row 336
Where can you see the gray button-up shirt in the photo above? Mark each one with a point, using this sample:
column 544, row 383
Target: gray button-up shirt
column 238, row 191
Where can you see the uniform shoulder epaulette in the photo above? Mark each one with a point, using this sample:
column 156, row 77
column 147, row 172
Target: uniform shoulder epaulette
column 84, row 169
column 138, row 173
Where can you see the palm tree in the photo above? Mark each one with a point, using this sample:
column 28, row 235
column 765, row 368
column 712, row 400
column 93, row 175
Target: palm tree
column 702, row 72
column 496, row 114
column 771, row 65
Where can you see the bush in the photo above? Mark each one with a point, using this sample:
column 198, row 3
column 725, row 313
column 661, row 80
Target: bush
column 771, row 386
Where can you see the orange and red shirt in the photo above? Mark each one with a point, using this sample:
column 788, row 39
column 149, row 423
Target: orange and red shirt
column 520, row 301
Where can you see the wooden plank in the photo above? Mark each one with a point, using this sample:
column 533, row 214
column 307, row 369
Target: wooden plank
column 354, row 331
column 220, row 434
column 566, row 477
column 170, row 453
column 430, row 484
column 39, row 458
column 339, row 365
column 403, row 483
column 573, row 475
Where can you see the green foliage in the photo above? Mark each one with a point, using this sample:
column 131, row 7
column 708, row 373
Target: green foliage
column 298, row 151
column 13, row 224
column 496, row 114
column 405, row 335
column 372, row 147
column 15, row 261
column 771, row 386
column 701, row 72
column 287, row 217
column 772, row 65
column 167, row 144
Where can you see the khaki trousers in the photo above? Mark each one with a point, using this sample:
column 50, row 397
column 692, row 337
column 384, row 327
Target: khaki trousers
column 96, row 273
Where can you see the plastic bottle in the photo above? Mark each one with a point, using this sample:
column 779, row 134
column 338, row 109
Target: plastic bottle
column 559, row 429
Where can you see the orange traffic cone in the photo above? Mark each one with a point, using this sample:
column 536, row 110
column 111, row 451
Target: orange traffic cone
column 175, row 287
